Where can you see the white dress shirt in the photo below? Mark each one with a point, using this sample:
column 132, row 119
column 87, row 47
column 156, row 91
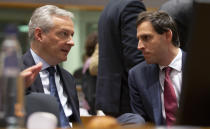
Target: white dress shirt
column 176, row 78
column 44, row 75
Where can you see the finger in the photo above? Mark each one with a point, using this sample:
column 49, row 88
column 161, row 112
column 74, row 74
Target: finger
column 26, row 73
column 36, row 69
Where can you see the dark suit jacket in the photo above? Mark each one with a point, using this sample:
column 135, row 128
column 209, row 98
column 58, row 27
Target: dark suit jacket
column 117, row 54
column 145, row 90
column 69, row 86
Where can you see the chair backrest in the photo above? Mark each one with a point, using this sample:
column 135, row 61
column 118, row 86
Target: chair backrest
column 39, row 102
column 45, row 120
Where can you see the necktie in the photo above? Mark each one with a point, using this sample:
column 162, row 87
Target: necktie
column 170, row 101
column 53, row 91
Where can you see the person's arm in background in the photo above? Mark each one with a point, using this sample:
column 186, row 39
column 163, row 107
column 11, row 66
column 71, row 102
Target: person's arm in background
column 131, row 54
column 30, row 74
column 93, row 67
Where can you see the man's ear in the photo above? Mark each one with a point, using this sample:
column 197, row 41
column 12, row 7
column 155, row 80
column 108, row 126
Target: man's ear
column 169, row 35
column 38, row 34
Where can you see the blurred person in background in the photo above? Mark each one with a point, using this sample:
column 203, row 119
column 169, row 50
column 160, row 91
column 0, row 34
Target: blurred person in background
column 117, row 54
column 90, row 75
column 93, row 68
column 182, row 12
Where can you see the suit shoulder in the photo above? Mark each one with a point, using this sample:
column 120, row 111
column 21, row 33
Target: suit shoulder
column 25, row 55
column 66, row 72
column 142, row 67
column 139, row 66
column 27, row 60
column 133, row 2
column 67, row 75
column 122, row 4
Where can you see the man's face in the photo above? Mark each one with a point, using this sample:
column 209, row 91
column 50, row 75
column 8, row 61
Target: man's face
column 151, row 43
column 58, row 41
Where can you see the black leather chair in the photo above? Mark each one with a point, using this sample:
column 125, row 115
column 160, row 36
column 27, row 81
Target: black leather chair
column 40, row 102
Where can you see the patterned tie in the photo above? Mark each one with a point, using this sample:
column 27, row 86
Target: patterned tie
column 53, row 91
column 170, row 101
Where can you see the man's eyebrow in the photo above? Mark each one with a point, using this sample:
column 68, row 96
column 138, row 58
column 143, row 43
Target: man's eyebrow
column 63, row 29
column 67, row 30
column 143, row 35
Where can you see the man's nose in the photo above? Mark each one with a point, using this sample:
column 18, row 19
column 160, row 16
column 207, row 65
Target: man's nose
column 140, row 45
column 70, row 42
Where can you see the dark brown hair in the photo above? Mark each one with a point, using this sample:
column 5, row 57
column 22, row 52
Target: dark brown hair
column 90, row 44
column 161, row 22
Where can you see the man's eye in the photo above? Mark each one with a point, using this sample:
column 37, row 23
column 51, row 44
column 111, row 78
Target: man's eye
column 72, row 34
column 64, row 33
column 146, row 38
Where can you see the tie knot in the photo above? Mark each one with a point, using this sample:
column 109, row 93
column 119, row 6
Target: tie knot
column 51, row 70
column 167, row 70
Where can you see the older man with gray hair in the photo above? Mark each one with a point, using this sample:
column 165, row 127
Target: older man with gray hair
column 51, row 31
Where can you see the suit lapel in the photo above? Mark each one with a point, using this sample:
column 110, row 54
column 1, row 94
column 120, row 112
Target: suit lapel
column 68, row 86
column 154, row 95
column 183, row 60
column 28, row 61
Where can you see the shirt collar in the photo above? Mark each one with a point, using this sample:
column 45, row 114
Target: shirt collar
column 176, row 63
column 38, row 59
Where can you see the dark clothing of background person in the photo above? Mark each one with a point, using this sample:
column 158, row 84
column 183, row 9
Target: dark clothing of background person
column 117, row 54
column 89, row 89
column 182, row 12
column 89, row 80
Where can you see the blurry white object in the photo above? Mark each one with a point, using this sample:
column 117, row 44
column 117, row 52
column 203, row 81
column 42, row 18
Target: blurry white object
column 42, row 120
column 84, row 112
column 100, row 113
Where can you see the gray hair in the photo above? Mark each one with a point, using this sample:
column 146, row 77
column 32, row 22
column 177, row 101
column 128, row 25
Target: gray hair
column 42, row 18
